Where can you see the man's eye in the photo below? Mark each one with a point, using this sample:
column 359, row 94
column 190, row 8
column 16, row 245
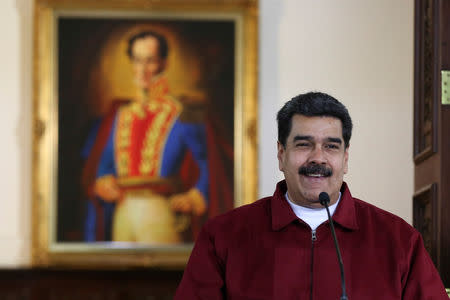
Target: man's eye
column 331, row 146
column 302, row 145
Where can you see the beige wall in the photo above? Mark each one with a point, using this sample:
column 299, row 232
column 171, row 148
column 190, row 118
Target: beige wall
column 15, row 131
column 362, row 53
column 359, row 51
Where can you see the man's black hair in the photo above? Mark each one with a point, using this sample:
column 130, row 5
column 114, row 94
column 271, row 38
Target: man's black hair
column 163, row 47
column 313, row 104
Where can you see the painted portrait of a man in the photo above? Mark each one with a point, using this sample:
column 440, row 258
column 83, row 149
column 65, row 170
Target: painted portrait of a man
column 156, row 155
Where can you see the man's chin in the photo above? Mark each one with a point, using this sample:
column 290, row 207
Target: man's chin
column 315, row 186
column 143, row 87
column 142, row 84
column 312, row 194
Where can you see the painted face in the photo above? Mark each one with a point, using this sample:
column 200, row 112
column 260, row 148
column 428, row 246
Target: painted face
column 314, row 160
column 146, row 61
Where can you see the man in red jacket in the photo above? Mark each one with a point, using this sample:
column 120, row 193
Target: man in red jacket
column 281, row 247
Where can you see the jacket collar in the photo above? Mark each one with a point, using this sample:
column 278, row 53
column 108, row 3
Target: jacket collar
column 282, row 214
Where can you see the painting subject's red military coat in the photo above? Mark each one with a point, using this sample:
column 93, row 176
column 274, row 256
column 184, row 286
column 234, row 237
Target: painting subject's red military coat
column 141, row 134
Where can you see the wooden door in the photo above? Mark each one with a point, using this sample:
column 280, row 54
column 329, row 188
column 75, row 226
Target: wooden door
column 431, row 199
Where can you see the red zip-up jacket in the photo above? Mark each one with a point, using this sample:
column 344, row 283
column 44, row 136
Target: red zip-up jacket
column 263, row 251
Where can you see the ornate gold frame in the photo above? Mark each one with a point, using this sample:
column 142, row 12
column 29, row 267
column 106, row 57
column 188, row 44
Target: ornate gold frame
column 45, row 250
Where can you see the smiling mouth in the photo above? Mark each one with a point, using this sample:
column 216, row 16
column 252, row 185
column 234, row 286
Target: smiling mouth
column 315, row 175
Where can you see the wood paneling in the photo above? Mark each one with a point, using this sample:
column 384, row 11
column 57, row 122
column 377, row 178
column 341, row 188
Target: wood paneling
column 434, row 167
column 445, row 147
column 45, row 284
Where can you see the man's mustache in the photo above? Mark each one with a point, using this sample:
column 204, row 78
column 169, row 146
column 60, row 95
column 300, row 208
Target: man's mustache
column 315, row 169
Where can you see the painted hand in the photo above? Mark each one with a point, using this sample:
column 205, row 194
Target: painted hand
column 190, row 202
column 106, row 188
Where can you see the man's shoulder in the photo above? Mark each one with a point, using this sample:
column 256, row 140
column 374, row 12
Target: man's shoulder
column 114, row 106
column 118, row 102
column 372, row 215
column 247, row 215
column 368, row 208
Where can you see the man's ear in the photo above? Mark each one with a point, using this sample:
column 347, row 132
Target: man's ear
column 346, row 159
column 281, row 155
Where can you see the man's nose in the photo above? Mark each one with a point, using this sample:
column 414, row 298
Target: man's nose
column 317, row 155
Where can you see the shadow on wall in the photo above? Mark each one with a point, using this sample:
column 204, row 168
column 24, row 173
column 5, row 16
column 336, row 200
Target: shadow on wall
column 269, row 93
column 23, row 128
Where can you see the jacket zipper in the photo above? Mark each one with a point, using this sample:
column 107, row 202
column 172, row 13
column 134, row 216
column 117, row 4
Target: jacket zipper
column 313, row 239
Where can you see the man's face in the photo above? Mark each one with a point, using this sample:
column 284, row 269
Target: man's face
column 315, row 159
column 146, row 61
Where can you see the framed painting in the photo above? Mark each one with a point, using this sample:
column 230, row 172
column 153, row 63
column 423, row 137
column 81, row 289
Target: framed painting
column 145, row 118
